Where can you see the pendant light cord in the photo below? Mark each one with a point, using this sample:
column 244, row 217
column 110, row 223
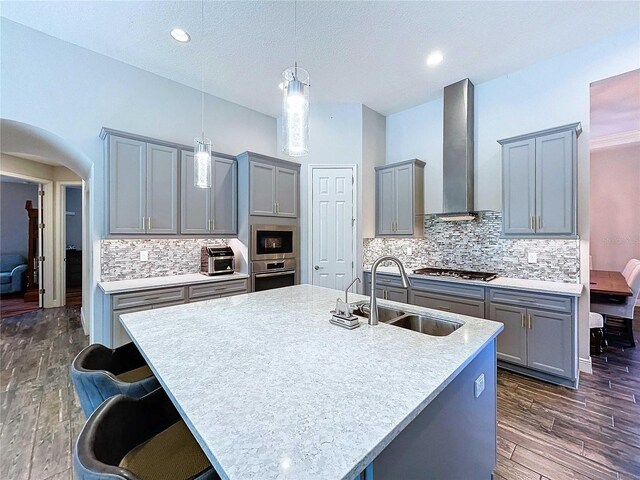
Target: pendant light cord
column 295, row 38
column 202, row 71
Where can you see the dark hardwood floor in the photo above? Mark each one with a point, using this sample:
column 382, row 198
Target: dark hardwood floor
column 14, row 304
column 544, row 431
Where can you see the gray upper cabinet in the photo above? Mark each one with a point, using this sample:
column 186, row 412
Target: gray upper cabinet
column 539, row 175
column 143, row 187
column 195, row 203
column 273, row 190
column 400, row 199
column 127, row 173
column 162, row 190
column 519, row 187
column 207, row 211
column 225, row 193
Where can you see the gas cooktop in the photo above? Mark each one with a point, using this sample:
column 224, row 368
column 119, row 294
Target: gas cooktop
column 448, row 272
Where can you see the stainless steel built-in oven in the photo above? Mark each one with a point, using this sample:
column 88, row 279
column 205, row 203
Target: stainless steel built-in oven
column 273, row 274
column 273, row 242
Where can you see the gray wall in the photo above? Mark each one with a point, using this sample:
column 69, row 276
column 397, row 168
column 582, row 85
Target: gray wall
column 13, row 217
column 74, row 222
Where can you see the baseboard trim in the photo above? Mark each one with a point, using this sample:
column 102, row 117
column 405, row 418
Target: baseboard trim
column 585, row 365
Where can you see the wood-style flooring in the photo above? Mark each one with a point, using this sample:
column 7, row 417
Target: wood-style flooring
column 14, row 304
column 544, row 431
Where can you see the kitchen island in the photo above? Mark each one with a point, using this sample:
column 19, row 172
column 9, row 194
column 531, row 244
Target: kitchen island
column 270, row 389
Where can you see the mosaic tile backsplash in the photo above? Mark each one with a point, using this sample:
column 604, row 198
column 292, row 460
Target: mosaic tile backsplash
column 120, row 259
column 476, row 245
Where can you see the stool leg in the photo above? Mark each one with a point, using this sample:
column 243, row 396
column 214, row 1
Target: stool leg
column 598, row 337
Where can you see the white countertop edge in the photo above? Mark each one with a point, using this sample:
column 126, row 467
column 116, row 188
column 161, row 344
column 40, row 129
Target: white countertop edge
column 151, row 283
column 540, row 286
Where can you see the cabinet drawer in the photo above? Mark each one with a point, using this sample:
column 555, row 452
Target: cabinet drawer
column 384, row 279
column 148, row 298
column 218, row 289
column 526, row 299
column 461, row 306
column 448, row 288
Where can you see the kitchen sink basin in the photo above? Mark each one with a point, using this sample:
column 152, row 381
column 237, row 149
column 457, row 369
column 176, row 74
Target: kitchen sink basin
column 425, row 324
column 385, row 314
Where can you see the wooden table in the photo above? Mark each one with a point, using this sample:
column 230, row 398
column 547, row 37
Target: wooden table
column 609, row 283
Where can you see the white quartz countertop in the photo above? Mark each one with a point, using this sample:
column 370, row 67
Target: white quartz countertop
column 272, row 390
column 540, row 286
column 138, row 284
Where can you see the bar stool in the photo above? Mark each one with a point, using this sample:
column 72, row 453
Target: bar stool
column 596, row 325
column 139, row 439
column 99, row 372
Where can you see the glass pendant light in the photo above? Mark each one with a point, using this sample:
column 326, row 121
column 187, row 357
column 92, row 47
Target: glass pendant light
column 202, row 145
column 295, row 105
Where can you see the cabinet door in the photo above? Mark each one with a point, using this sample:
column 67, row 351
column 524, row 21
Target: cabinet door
column 404, row 193
column 385, row 198
column 397, row 294
column 225, row 196
column 119, row 335
column 127, row 174
column 555, row 210
column 286, row 192
column 262, row 186
column 445, row 303
column 512, row 341
column 519, row 187
column 549, row 342
column 162, row 189
column 194, row 202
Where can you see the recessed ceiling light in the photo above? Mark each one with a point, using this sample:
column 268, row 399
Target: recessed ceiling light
column 180, row 35
column 434, row 58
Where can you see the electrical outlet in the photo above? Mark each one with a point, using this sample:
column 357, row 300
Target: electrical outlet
column 409, row 251
column 532, row 257
column 144, row 255
column 478, row 385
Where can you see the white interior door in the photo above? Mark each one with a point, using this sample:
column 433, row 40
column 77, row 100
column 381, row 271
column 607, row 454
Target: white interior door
column 332, row 227
column 40, row 254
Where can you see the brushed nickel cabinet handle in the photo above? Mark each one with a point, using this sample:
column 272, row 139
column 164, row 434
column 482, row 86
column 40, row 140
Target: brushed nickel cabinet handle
column 532, row 225
column 539, row 221
column 442, row 307
column 522, row 320
column 150, row 298
column 149, row 223
column 213, row 224
column 530, row 322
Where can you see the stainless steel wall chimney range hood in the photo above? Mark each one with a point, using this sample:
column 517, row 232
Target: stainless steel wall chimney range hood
column 458, row 152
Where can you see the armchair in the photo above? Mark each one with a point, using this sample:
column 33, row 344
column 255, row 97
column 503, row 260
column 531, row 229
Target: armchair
column 13, row 270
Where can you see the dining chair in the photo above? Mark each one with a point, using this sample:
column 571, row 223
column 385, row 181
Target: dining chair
column 139, row 439
column 98, row 373
column 596, row 325
column 619, row 316
column 629, row 268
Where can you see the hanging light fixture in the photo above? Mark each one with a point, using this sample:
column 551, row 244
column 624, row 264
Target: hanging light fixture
column 202, row 145
column 295, row 103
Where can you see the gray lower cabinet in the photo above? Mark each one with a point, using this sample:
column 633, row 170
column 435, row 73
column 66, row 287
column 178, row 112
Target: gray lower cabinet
column 205, row 211
column 539, row 183
column 512, row 341
column 400, row 199
column 387, row 288
column 538, row 331
column 143, row 187
column 447, row 303
column 273, row 190
column 123, row 303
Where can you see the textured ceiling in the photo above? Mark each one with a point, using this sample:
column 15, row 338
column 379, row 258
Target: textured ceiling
column 365, row 52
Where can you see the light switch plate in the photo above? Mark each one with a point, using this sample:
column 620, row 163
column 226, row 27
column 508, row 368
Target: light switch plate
column 409, row 251
column 144, row 255
column 478, row 386
column 532, row 257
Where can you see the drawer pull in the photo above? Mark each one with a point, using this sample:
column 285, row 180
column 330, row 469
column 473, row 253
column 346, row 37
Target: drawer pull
column 530, row 300
column 442, row 307
column 146, row 299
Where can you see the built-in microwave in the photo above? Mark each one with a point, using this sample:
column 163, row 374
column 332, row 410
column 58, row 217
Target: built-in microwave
column 273, row 242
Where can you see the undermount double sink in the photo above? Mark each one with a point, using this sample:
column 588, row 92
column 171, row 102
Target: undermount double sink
column 409, row 320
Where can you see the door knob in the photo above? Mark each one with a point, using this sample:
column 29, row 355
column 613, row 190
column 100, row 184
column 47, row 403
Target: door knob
column 317, row 267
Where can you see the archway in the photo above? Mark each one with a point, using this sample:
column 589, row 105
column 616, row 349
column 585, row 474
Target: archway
column 27, row 141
